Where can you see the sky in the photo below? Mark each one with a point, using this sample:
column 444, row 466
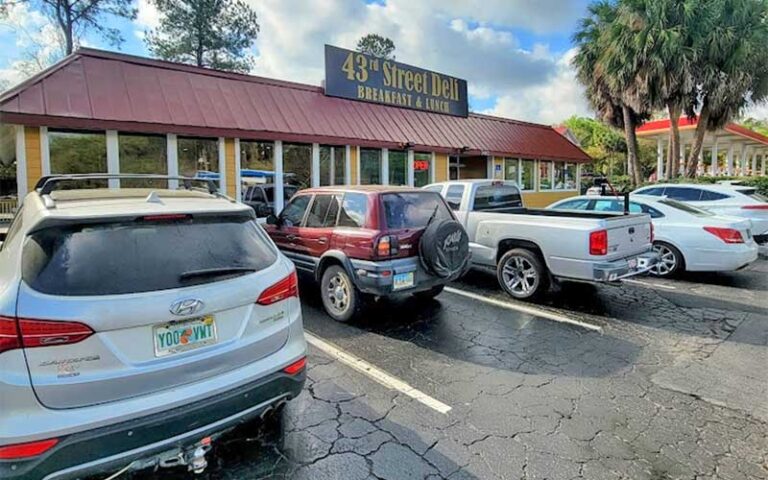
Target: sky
column 514, row 54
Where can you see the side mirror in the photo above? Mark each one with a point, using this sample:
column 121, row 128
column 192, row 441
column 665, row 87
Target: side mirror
column 272, row 219
column 263, row 210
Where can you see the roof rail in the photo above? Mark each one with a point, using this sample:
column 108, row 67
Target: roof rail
column 46, row 184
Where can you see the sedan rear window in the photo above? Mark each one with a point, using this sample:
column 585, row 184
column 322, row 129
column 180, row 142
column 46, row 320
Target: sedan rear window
column 142, row 256
column 413, row 209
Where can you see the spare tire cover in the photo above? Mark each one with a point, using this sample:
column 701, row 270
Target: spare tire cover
column 444, row 248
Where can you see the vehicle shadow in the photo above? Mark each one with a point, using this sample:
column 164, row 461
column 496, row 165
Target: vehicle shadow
column 470, row 331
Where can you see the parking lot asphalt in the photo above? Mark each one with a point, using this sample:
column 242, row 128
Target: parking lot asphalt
column 674, row 386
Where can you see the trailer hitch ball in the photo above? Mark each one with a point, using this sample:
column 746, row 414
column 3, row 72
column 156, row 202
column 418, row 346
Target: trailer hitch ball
column 197, row 461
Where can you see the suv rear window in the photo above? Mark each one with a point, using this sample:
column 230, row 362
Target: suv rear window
column 137, row 256
column 413, row 209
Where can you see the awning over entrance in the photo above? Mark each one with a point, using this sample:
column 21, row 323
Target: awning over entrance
column 732, row 150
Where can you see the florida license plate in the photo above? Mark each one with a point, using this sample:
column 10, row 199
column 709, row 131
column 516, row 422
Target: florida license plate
column 184, row 335
column 403, row 280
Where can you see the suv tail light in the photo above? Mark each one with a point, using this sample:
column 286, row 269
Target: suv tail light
column 28, row 333
column 26, row 450
column 728, row 235
column 387, row 246
column 763, row 206
column 598, row 242
column 296, row 366
column 652, row 233
column 285, row 288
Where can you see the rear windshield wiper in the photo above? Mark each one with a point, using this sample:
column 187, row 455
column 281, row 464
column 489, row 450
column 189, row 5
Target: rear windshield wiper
column 211, row 272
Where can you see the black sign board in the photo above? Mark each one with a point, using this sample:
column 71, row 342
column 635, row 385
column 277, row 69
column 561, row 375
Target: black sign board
column 360, row 76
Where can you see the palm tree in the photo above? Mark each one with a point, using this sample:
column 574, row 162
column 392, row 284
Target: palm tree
column 606, row 73
column 731, row 67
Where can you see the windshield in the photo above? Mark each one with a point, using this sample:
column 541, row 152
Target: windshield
column 131, row 257
column 686, row 208
column 413, row 209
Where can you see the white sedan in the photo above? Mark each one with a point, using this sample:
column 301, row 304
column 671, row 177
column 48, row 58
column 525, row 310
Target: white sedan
column 687, row 238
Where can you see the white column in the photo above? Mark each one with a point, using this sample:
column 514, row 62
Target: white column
column 172, row 154
column 238, row 179
column 753, row 171
column 348, row 165
column 432, row 168
column 357, row 170
column 743, row 152
column 278, row 163
column 713, row 167
column 45, row 152
column 113, row 158
column 222, row 166
column 315, row 165
column 21, row 164
column 762, row 168
column 411, row 158
column 385, row 166
column 729, row 161
column 332, row 173
column 659, row 158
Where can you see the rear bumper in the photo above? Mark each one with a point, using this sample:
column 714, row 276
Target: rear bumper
column 723, row 259
column 113, row 447
column 624, row 268
column 377, row 278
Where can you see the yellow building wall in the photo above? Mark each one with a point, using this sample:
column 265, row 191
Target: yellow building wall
column 33, row 156
column 441, row 167
column 543, row 199
column 353, row 165
column 230, row 168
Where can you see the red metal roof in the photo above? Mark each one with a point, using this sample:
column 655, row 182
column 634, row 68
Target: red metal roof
column 105, row 90
column 734, row 128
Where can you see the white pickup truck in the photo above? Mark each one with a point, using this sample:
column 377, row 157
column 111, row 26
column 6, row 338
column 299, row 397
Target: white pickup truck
column 531, row 248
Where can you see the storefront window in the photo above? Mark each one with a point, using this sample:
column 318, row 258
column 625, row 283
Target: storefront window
column 143, row 154
column 527, row 174
column 512, row 169
column 398, row 167
column 197, row 156
column 545, row 175
column 570, row 176
column 325, row 166
column 297, row 164
column 257, row 156
column 370, row 166
column 565, row 176
column 333, row 164
column 339, row 166
column 77, row 152
column 7, row 167
column 422, row 168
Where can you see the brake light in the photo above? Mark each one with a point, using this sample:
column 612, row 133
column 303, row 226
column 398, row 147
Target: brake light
column 728, row 235
column 296, row 366
column 285, row 288
column 387, row 246
column 9, row 334
column 762, row 206
column 598, row 242
column 26, row 450
column 166, row 217
column 29, row 333
column 652, row 233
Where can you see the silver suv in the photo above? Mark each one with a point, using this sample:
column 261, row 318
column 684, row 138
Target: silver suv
column 137, row 325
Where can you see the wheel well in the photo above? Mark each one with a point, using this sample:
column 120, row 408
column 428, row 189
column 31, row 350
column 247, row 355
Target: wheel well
column 326, row 262
column 510, row 243
column 682, row 255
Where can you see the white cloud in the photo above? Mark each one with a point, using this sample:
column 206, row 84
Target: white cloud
column 759, row 111
column 147, row 18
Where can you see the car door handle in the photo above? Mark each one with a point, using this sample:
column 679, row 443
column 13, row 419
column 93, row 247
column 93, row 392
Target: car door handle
column 322, row 240
column 631, row 230
column 291, row 237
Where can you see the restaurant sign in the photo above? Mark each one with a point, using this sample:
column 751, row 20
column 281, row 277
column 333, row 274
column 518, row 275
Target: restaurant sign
column 360, row 76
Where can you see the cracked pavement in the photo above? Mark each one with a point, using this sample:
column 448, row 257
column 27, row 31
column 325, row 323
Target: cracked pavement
column 676, row 387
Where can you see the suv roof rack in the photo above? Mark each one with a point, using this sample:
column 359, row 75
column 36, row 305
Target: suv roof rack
column 47, row 184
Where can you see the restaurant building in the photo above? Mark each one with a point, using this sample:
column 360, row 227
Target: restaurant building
column 98, row 111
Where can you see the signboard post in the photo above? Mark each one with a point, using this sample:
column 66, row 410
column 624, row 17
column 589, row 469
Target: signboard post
column 359, row 76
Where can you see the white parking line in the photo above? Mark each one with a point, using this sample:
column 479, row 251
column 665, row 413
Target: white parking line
column 525, row 309
column 376, row 374
column 650, row 285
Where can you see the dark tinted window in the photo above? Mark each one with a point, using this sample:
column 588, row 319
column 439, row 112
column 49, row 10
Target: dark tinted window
column 322, row 213
column 453, row 196
column 293, row 213
column 413, row 210
column 354, row 208
column 580, row 204
column 683, row 194
column 706, row 195
column 288, row 192
column 130, row 257
column 491, row 197
column 657, row 191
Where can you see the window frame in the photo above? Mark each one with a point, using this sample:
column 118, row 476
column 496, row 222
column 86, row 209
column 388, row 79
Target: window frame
column 461, row 195
column 295, row 198
column 534, row 179
column 365, row 216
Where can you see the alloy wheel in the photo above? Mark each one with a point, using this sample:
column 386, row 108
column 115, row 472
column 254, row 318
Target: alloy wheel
column 519, row 276
column 667, row 261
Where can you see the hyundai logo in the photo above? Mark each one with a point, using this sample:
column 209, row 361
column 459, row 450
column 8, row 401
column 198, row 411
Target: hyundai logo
column 187, row 306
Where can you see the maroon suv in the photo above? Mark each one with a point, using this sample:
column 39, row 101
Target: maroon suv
column 369, row 241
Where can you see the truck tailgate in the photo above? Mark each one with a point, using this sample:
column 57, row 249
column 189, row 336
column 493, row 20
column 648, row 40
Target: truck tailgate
column 627, row 235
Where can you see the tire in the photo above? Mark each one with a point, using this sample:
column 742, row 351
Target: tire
column 522, row 274
column 342, row 301
column 429, row 294
column 444, row 248
column 671, row 262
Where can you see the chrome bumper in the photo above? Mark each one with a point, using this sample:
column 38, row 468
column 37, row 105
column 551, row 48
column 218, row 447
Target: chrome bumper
column 626, row 267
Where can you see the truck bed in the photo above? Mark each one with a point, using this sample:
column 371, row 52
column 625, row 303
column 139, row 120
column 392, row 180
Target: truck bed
column 556, row 213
